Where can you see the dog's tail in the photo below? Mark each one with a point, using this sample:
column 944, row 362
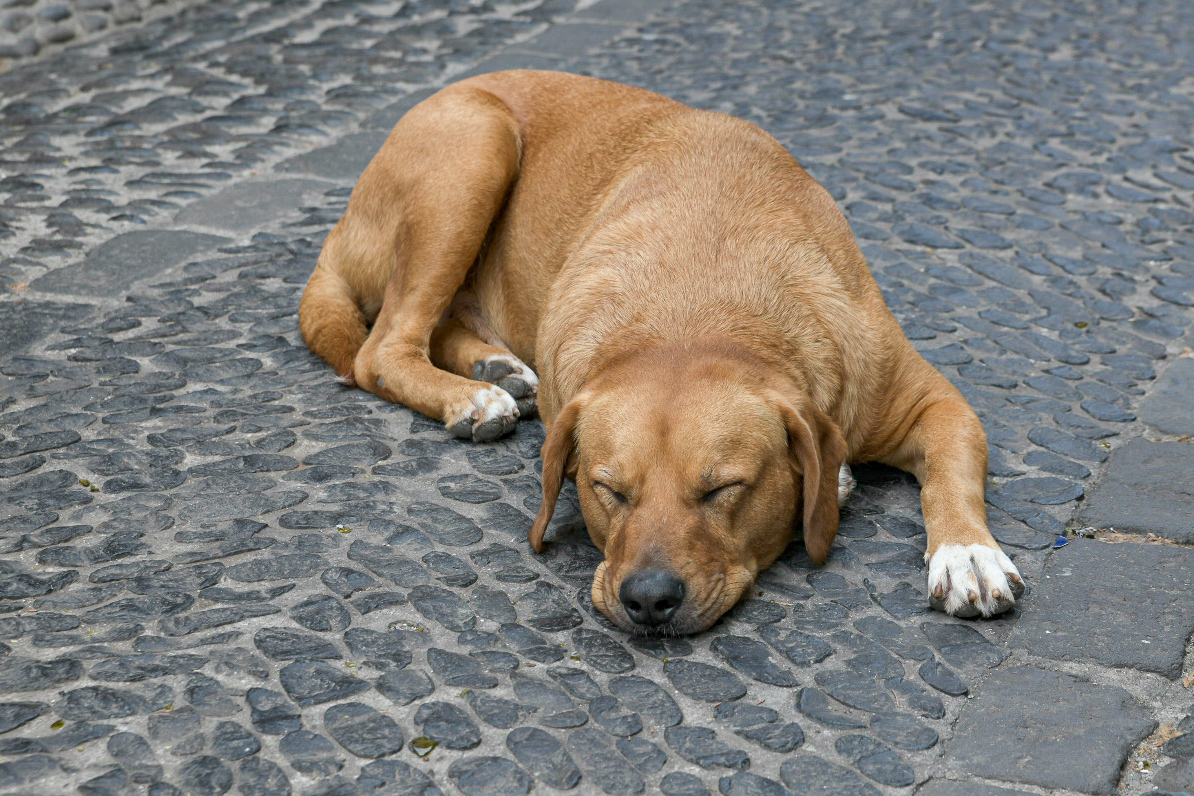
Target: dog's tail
column 330, row 319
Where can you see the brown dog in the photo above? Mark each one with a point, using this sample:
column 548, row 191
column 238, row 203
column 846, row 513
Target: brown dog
column 712, row 346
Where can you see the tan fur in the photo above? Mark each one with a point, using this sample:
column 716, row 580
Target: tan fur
column 694, row 303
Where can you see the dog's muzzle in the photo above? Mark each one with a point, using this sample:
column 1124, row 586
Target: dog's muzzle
column 651, row 597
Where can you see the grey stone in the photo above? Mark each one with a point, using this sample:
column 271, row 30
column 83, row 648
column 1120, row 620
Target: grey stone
column 448, row 725
column 445, row 525
column 1146, row 488
column 993, row 739
column 16, row 714
column 362, row 730
column 942, row 678
column 1167, row 405
column 322, row 614
column 22, row 674
column 442, row 606
column 1075, row 615
column 806, row 774
column 316, row 682
column 946, row 787
column 646, row 756
column 113, row 267
column 247, row 206
column 310, row 753
column 496, row 711
column 681, row 783
column 601, row 652
column 92, row 703
column 595, row 754
column 26, row 322
column 284, row 644
column 405, row 686
column 802, row 649
column 135, row 756
column 489, row 776
column 700, row 745
column 1178, row 777
column 613, row 717
column 386, row 562
column 760, row 724
column 271, row 712
column 753, row 659
column 702, row 681
column 961, row 644
column 459, row 670
column 342, row 162
column 346, row 581
column 547, row 608
column 543, row 756
column 815, row 704
column 260, row 776
column 904, row 731
column 743, row 783
column 647, row 697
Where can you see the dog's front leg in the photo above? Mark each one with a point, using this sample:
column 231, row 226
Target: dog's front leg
column 946, row 449
column 396, row 367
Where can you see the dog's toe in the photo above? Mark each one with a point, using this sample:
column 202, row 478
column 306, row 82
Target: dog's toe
column 509, row 373
column 973, row 580
column 493, row 368
column 527, row 408
column 490, row 413
column 845, row 484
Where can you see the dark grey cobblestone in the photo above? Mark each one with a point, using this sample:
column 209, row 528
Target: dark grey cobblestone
column 223, row 572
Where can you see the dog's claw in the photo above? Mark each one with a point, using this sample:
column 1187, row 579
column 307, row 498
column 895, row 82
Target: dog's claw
column 973, row 580
column 527, row 408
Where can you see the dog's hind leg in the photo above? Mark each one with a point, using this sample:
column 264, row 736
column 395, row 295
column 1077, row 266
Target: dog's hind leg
column 330, row 319
column 431, row 195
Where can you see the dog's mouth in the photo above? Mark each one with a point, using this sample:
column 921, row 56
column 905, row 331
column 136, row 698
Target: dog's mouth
column 698, row 611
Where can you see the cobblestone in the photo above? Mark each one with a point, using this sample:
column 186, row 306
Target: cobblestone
column 224, row 572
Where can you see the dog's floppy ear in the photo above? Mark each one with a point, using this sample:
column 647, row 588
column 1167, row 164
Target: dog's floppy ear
column 817, row 446
column 557, row 452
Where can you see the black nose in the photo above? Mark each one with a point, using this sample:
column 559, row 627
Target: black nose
column 651, row 596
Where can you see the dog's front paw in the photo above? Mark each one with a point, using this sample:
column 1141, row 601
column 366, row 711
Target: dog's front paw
column 512, row 375
column 972, row 580
column 488, row 414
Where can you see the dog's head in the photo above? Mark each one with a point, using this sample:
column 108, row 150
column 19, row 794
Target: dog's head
column 691, row 466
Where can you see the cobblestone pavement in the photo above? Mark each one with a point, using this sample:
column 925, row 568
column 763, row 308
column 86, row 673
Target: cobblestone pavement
column 31, row 27
column 223, row 572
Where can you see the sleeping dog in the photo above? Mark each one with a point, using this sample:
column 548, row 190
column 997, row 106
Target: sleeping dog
column 711, row 348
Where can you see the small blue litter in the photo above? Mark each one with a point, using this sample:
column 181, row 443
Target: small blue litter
column 1061, row 542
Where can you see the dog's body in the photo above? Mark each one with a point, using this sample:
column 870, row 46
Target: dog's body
column 710, row 343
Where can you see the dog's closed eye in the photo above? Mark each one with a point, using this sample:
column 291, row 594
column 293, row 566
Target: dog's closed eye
column 607, row 491
column 724, row 490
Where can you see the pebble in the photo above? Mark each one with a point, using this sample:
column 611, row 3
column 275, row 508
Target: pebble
column 362, row 730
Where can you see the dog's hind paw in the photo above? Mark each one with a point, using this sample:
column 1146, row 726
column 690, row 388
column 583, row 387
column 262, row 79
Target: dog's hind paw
column 512, row 375
column 973, row 580
column 490, row 413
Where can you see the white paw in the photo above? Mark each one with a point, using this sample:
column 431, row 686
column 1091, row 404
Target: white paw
column 969, row 580
column 845, row 484
column 490, row 413
column 512, row 375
